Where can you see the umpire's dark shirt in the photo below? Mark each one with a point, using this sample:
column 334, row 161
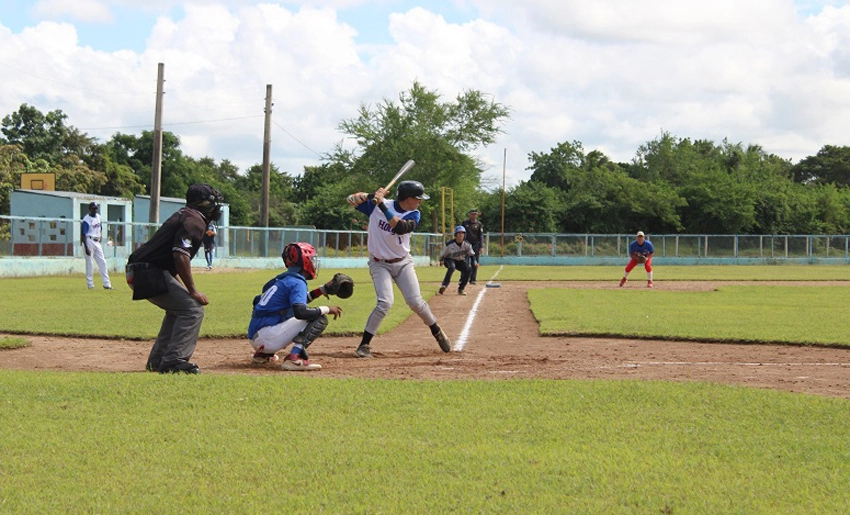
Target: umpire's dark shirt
column 182, row 232
column 473, row 231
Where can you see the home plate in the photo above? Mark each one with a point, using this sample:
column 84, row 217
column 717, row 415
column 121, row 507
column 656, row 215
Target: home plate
column 493, row 285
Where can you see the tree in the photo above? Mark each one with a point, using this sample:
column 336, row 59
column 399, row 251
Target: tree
column 435, row 134
column 830, row 165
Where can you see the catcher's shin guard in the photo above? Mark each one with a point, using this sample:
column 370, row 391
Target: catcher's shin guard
column 308, row 335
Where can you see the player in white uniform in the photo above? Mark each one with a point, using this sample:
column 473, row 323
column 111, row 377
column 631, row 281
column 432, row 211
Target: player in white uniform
column 391, row 223
column 90, row 237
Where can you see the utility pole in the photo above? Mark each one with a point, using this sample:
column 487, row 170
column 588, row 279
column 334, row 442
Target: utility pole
column 267, row 144
column 156, row 167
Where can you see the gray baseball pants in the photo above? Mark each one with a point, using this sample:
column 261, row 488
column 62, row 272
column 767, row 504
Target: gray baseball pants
column 404, row 274
column 181, row 326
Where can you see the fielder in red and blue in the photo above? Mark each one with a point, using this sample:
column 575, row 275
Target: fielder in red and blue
column 641, row 251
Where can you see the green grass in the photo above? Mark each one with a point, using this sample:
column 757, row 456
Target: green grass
column 13, row 342
column 63, row 306
column 146, row 443
column 801, row 314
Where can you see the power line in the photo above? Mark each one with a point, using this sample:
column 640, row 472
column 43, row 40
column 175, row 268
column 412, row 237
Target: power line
column 169, row 124
column 296, row 139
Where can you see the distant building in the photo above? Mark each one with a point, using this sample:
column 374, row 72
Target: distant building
column 61, row 235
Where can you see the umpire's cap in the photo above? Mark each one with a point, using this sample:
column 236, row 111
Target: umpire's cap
column 407, row 189
column 200, row 192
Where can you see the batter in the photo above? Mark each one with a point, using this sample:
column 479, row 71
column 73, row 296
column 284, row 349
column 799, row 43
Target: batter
column 390, row 225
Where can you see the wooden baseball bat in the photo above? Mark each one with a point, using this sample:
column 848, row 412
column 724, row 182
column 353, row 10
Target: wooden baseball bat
column 403, row 170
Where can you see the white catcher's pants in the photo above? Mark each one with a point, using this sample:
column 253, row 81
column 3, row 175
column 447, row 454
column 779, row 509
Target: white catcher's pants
column 273, row 338
column 96, row 252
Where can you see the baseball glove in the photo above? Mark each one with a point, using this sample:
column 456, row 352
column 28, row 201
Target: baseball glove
column 341, row 285
column 641, row 258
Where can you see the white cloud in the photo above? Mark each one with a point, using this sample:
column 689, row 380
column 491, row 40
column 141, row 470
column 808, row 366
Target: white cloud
column 92, row 11
column 611, row 75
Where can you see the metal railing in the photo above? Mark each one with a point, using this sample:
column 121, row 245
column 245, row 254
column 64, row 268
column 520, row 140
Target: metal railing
column 670, row 245
column 60, row 237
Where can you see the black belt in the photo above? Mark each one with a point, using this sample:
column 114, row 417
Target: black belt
column 396, row 260
column 95, row 238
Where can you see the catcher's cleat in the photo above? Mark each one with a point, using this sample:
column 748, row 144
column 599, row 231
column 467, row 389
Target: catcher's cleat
column 461, row 292
column 443, row 340
column 622, row 282
column 649, row 284
column 261, row 358
column 363, row 351
column 296, row 363
column 442, row 290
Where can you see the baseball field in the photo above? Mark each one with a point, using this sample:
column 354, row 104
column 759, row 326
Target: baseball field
column 721, row 390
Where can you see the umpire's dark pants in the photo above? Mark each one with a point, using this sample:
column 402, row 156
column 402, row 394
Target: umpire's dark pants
column 181, row 326
column 453, row 264
column 472, row 261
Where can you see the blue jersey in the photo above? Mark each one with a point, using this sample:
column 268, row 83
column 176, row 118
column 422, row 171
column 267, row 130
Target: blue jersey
column 644, row 249
column 274, row 306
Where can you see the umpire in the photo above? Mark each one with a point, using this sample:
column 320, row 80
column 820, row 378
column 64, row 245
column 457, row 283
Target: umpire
column 153, row 271
column 474, row 228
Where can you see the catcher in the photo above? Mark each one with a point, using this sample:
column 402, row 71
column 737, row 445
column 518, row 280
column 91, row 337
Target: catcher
column 641, row 251
column 281, row 316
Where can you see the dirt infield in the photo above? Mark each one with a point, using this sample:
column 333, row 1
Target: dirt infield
column 501, row 342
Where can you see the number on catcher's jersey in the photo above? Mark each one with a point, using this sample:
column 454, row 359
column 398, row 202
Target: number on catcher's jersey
column 267, row 295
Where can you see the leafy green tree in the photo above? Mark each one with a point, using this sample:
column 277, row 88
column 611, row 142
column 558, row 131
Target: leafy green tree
column 830, row 165
column 434, row 133
column 13, row 162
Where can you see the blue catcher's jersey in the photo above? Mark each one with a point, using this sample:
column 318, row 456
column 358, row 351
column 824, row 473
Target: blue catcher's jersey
column 275, row 304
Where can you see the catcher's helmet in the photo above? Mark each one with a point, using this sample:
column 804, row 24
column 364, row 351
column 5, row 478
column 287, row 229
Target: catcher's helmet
column 302, row 255
column 460, row 228
column 407, row 189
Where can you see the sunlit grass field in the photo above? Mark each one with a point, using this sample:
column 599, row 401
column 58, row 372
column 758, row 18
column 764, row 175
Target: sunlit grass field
column 151, row 443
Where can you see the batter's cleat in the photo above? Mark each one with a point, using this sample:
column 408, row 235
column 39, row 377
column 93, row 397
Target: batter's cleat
column 442, row 290
column 296, row 363
column 649, row 284
column 461, row 292
column 182, row 368
column 363, row 351
column 261, row 358
column 443, row 340
column 622, row 282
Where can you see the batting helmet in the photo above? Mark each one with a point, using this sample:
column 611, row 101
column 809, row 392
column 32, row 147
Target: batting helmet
column 302, row 255
column 460, row 228
column 407, row 189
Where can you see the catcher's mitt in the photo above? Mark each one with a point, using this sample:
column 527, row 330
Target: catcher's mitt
column 341, row 285
column 641, row 258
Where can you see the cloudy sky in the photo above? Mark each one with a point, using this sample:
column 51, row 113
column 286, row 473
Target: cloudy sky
column 612, row 74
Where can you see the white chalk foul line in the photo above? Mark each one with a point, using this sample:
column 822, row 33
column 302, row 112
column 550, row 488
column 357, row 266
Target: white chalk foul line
column 460, row 343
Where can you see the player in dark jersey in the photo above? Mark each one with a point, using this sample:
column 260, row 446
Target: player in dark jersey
column 474, row 235
column 161, row 272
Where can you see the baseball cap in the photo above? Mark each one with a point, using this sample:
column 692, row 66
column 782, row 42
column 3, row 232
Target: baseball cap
column 471, row 211
column 92, row 204
column 640, row 233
